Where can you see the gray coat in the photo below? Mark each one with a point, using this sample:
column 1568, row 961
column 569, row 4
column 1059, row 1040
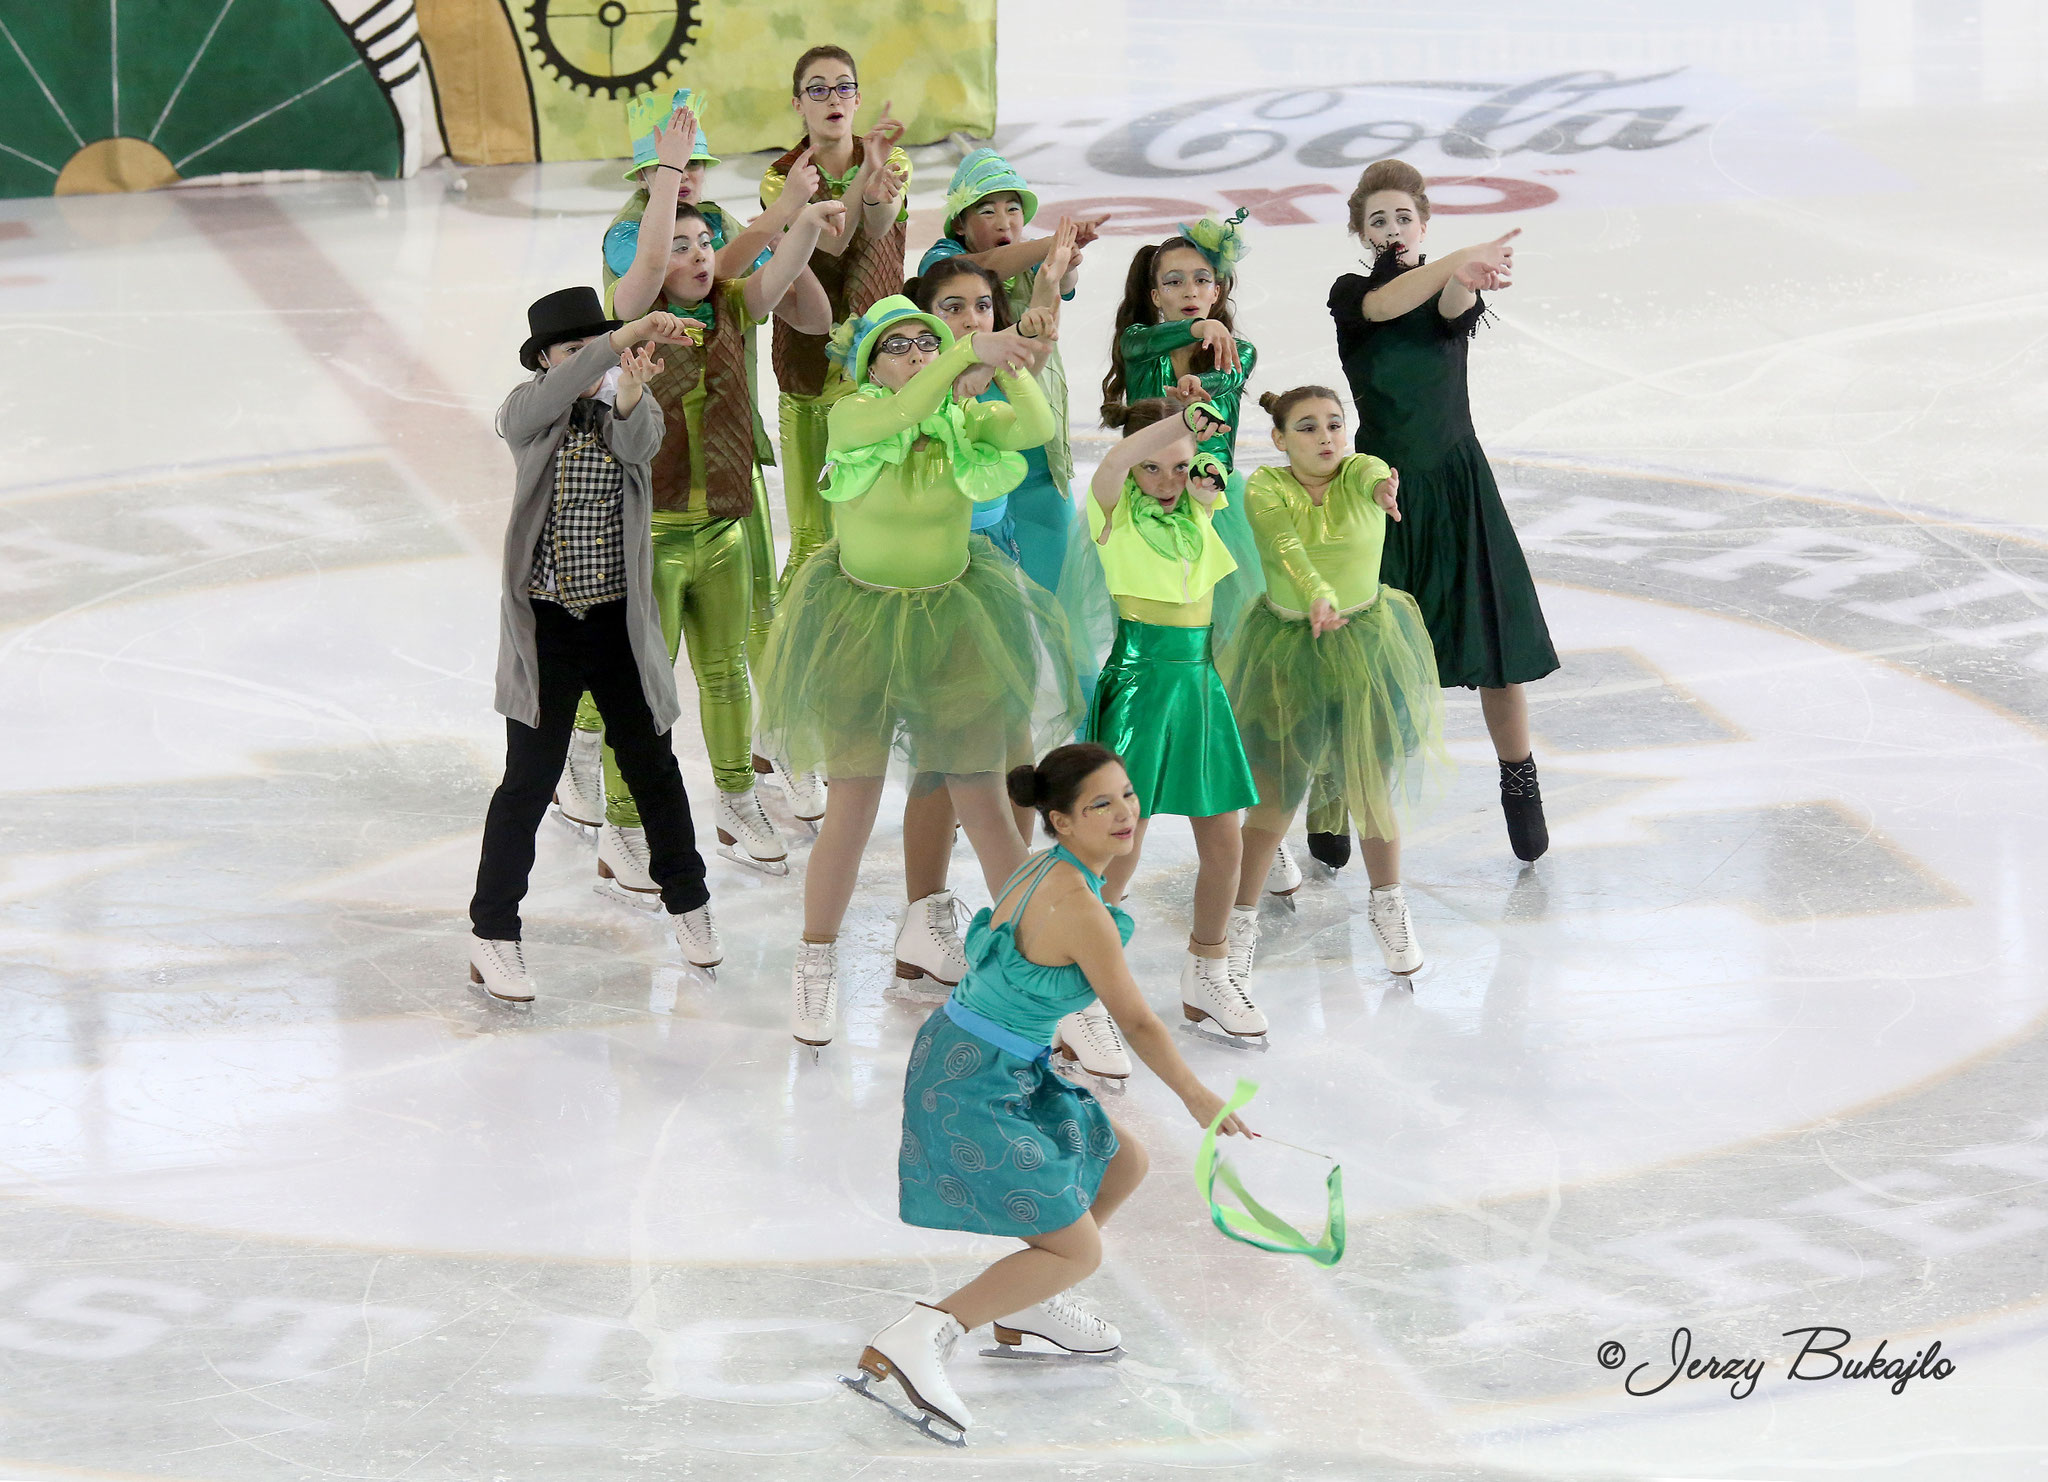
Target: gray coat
column 533, row 421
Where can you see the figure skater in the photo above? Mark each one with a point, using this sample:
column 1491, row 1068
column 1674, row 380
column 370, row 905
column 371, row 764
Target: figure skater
column 993, row 1142
column 906, row 634
column 1332, row 674
column 1403, row 334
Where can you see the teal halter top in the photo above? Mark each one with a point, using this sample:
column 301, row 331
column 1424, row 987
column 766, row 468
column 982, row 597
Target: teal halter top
column 1027, row 998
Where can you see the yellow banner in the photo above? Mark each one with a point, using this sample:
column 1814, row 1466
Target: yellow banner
column 549, row 79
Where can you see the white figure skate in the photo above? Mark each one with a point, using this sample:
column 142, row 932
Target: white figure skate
column 1242, row 935
column 1387, row 910
column 803, row 791
column 747, row 835
column 1284, row 878
column 913, row 1351
column 622, row 868
column 814, row 994
column 1215, row 1008
column 579, row 796
column 1088, row 1039
column 1077, row 1335
column 697, row 934
column 500, row 967
column 931, row 957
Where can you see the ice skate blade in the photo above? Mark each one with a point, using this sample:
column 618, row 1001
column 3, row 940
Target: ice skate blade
column 924, row 1421
column 1285, row 897
column 1225, row 1039
column 923, row 992
column 1054, row 1355
column 775, row 868
column 639, row 900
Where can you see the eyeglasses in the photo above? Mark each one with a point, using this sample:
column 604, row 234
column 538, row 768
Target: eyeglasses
column 900, row 344
column 818, row 92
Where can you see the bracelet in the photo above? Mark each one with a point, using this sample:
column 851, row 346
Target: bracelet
column 866, row 202
column 677, row 168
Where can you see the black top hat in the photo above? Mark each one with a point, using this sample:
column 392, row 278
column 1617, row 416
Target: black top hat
column 569, row 314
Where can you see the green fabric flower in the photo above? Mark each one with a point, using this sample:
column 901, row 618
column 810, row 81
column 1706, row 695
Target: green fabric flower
column 982, row 472
column 1222, row 242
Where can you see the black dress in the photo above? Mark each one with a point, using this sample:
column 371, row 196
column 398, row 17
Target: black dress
column 1454, row 549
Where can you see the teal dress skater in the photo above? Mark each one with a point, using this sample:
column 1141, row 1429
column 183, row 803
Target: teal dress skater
column 995, row 1142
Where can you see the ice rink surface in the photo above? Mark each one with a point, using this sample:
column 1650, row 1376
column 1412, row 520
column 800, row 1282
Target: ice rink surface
column 1758, row 1047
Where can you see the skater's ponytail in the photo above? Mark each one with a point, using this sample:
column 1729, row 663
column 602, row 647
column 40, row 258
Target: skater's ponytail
column 1386, row 175
column 1053, row 785
column 1139, row 414
column 1281, row 404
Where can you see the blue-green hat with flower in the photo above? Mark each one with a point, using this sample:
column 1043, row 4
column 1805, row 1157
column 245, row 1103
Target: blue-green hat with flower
column 853, row 342
column 982, row 174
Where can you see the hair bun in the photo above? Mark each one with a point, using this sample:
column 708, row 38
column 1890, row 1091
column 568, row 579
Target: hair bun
column 1115, row 414
column 1026, row 787
column 1268, row 400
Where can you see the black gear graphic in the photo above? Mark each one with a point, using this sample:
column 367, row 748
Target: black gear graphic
column 611, row 47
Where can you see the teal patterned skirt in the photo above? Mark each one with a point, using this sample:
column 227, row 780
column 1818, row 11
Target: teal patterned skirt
column 995, row 1143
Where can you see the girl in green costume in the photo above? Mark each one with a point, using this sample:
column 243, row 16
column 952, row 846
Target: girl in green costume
column 1176, row 336
column 706, row 485
column 1332, row 674
column 1403, row 335
column 905, row 635
column 1159, row 703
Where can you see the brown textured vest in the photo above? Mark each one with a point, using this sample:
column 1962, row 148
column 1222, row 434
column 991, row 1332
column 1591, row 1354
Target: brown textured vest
column 868, row 271
column 728, row 422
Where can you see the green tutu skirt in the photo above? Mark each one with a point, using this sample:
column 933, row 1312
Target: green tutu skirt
column 1160, row 705
column 1361, row 706
column 973, row 676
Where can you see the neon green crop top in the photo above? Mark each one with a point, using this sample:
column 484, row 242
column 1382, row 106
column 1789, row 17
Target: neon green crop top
column 1331, row 550
column 908, row 466
column 1143, row 580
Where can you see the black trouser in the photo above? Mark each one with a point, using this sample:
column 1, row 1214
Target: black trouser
column 574, row 655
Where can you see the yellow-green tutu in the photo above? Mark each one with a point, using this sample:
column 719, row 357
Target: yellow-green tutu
column 1361, row 705
column 975, row 675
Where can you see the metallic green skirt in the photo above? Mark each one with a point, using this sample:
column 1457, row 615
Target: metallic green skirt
column 1161, row 707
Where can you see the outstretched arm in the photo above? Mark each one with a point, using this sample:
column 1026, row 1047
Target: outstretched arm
column 1420, row 285
column 1088, row 932
column 640, row 286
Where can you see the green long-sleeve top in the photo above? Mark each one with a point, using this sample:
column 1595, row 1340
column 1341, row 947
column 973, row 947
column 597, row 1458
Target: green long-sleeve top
column 1147, row 351
column 1314, row 551
column 908, row 466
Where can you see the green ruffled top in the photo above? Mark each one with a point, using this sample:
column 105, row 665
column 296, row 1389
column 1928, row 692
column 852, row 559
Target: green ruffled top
column 908, row 466
column 1161, row 567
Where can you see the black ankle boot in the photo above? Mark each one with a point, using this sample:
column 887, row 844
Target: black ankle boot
column 1521, row 800
column 1333, row 850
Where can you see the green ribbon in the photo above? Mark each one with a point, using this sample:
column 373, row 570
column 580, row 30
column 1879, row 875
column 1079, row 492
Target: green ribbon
column 1254, row 1224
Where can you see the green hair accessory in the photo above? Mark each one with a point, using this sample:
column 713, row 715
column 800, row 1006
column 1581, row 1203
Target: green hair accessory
column 1253, row 1224
column 1222, row 242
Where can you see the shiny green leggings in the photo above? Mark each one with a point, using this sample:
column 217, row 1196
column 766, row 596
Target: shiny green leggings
column 803, row 459
column 707, row 597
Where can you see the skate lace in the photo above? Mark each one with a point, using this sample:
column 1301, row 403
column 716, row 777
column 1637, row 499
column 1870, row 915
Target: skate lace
column 752, row 816
column 633, row 845
column 1064, row 1309
column 1214, row 974
column 1391, row 922
column 814, row 982
column 946, row 919
column 1100, row 1031
column 1518, row 779
column 517, row 954
column 698, row 923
